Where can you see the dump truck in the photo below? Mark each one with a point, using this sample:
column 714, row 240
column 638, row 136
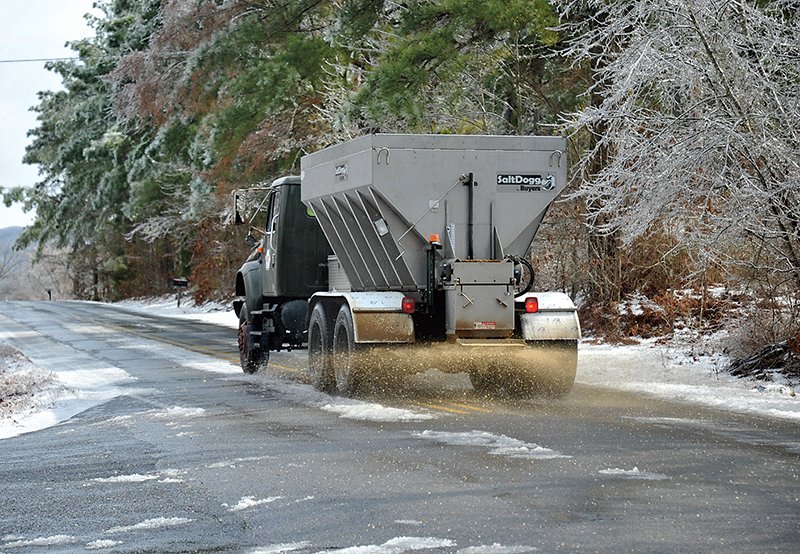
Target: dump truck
column 392, row 254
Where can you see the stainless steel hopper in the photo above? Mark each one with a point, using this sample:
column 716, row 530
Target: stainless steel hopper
column 378, row 199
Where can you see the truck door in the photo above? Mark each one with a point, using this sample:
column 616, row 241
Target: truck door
column 270, row 244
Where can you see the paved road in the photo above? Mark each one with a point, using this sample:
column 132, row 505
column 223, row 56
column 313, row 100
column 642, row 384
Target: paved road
column 195, row 456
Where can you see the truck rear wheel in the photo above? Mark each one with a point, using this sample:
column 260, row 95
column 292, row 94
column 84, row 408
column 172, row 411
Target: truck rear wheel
column 346, row 360
column 483, row 381
column 319, row 351
column 563, row 367
column 251, row 356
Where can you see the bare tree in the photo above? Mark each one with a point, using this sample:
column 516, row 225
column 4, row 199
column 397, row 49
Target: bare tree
column 10, row 260
column 698, row 125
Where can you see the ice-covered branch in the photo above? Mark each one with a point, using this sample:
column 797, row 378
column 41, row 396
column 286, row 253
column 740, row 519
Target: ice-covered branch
column 696, row 114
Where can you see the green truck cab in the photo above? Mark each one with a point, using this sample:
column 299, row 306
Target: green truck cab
column 287, row 267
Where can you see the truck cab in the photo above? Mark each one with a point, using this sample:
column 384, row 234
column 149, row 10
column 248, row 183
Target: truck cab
column 283, row 271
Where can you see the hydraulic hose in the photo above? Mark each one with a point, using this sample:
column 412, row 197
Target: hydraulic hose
column 529, row 284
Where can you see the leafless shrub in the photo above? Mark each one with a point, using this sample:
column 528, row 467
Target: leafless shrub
column 765, row 322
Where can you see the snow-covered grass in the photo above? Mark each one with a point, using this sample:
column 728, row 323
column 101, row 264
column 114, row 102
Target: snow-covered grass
column 23, row 386
column 674, row 372
column 32, row 398
column 211, row 312
column 685, row 370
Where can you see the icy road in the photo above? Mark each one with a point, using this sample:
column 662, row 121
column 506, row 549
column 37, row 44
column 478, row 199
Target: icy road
column 170, row 447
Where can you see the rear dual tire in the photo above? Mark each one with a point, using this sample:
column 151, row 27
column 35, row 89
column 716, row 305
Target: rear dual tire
column 320, row 360
column 347, row 366
column 334, row 357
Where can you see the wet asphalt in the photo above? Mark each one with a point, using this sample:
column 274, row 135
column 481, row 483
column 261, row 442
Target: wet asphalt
column 194, row 456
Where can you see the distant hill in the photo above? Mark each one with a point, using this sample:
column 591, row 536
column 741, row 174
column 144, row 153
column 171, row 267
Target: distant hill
column 19, row 280
column 9, row 234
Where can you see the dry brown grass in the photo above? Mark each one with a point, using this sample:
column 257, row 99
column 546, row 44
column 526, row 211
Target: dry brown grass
column 656, row 317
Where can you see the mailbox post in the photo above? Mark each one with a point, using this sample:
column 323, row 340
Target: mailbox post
column 180, row 283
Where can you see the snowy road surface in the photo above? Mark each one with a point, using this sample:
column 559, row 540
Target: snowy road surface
column 171, row 448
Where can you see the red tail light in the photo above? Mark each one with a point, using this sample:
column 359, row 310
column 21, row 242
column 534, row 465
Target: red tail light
column 531, row 305
column 409, row 305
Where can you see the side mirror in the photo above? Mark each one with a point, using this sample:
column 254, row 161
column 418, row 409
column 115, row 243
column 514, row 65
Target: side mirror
column 250, row 240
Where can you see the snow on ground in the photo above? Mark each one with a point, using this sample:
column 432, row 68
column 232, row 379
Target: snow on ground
column 347, row 408
column 496, row 549
column 21, row 382
column 412, row 522
column 212, row 312
column 366, row 411
column 77, row 382
column 634, row 474
column 155, row 523
column 498, row 445
column 668, row 372
column 134, row 478
column 398, row 545
column 101, row 544
column 395, row 546
column 247, row 502
column 177, row 411
column 233, row 463
column 672, row 372
column 282, row 548
column 42, row 541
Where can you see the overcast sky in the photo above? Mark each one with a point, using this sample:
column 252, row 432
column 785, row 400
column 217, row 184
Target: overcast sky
column 32, row 29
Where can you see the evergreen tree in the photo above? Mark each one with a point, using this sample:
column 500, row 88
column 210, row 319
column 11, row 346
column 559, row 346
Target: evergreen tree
column 471, row 66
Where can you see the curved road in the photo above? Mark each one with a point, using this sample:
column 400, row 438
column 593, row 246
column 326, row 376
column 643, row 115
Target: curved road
column 192, row 455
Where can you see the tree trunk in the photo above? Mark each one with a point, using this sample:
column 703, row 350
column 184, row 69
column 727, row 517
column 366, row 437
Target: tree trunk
column 604, row 255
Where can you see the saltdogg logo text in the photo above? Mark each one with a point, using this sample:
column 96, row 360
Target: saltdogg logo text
column 527, row 183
